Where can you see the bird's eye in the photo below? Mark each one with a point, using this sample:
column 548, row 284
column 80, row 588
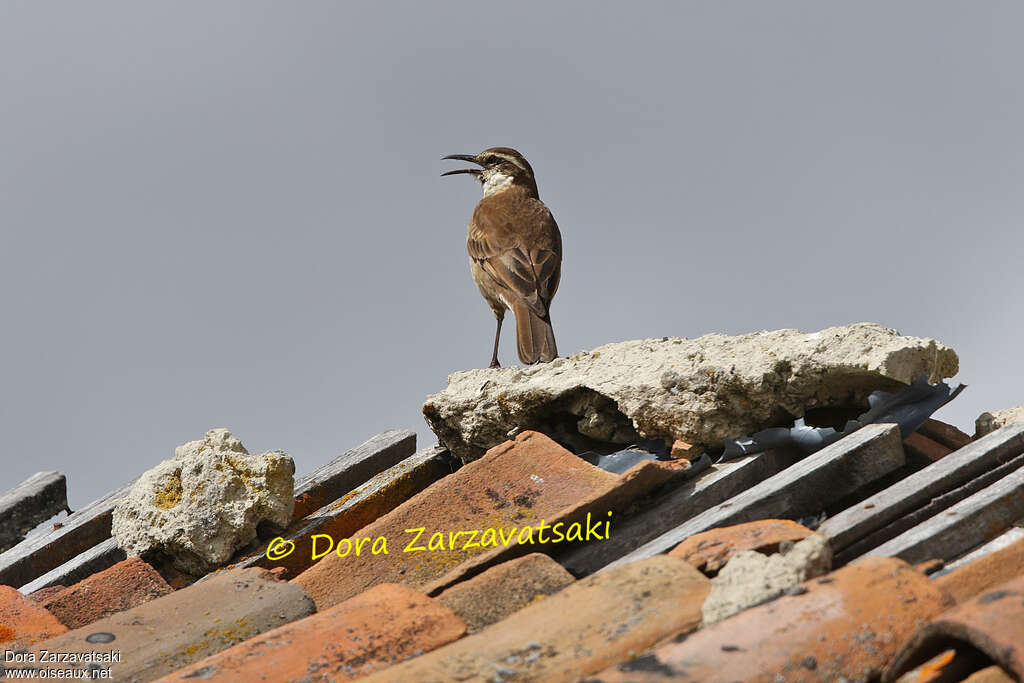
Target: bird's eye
column 492, row 160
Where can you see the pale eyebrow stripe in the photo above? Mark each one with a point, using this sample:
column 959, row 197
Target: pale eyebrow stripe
column 508, row 157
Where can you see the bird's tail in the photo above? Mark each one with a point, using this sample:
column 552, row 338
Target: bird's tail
column 535, row 340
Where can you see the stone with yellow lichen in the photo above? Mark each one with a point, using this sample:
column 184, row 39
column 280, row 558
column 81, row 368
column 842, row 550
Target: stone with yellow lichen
column 199, row 507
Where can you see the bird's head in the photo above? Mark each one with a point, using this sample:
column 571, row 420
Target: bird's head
column 501, row 168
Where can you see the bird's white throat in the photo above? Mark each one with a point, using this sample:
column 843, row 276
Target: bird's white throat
column 496, row 182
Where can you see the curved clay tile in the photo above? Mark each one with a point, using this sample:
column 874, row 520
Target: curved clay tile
column 992, row 623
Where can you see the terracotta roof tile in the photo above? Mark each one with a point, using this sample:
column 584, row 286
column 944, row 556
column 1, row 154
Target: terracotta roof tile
column 847, row 624
column 751, row 578
column 191, row 623
column 688, row 451
column 595, row 622
column 963, row 583
column 946, row 434
column 710, row 550
column 128, row 583
column 23, row 622
column 924, row 447
column 930, row 566
column 522, row 616
column 498, row 592
column 385, row 625
column 517, row 484
column 43, row 594
column 992, row 623
column 991, row 674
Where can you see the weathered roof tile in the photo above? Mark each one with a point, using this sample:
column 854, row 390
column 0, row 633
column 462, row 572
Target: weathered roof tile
column 925, row 447
column 517, row 485
column 191, row 623
column 687, row 451
column 597, row 621
column 43, row 594
column 946, row 434
column 751, row 578
column 846, row 624
column 23, row 622
column 128, row 583
column 963, row 583
column 991, row 674
column 498, row 592
column 385, row 625
column 992, row 623
column 710, row 550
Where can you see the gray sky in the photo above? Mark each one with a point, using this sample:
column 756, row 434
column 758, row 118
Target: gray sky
column 229, row 213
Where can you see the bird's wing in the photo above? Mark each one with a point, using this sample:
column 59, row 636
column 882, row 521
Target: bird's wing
column 501, row 248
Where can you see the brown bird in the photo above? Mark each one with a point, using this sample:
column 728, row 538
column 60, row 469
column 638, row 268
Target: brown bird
column 515, row 250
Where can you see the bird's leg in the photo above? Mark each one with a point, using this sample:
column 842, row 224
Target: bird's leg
column 497, row 336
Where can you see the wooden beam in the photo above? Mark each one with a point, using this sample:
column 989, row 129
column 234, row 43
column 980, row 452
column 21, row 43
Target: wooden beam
column 30, row 503
column 39, row 553
column 952, row 471
column 974, row 520
column 833, row 472
column 352, row 469
column 97, row 558
column 933, row 507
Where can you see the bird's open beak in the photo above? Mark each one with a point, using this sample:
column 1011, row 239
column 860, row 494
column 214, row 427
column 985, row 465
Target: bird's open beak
column 463, row 157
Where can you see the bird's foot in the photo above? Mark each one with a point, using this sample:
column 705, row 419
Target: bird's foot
column 494, row 364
